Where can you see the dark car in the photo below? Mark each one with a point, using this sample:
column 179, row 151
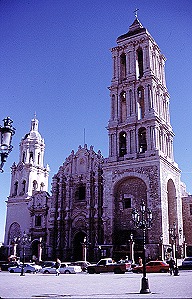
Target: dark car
column 187, row 263
column 4, row 267
column 153, row 266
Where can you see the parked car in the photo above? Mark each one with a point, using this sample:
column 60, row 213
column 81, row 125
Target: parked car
column 4, row 267
column 153, row 266
column 82, row 264
column 64, row 269
column 28, row 268
column 187, row 263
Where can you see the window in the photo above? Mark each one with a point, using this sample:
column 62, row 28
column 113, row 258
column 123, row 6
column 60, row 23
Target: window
column 139, row 64
column 38, row 220
column 38, row 158
column 123, row 65
column 15, row 189
column 123, row 106
column 23, row 159
column 34, row 185
column 142, row 140
column 140, row 103
column 42, row 186
column 31, row 156
column 126, row 203
column 80, row 193
column 122, row 144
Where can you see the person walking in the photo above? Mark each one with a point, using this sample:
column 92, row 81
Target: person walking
column 57, row 266
column 171, row 263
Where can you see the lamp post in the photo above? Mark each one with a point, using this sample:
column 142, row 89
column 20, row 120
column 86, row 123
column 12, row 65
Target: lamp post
column 6, row 133
column 132, row 243
column 143, row 221
column 25, row 239
column 85, row 244
column 161, row 248
column 174, row 236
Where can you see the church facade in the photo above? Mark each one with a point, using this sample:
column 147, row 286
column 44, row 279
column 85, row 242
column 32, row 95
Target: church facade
column 92, row 197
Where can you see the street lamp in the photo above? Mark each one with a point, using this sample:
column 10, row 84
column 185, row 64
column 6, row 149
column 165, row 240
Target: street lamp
column 24, row 240
column 174, row 236
column 143, row 221
column 132, row 243
column 161, row 248
column 6, row 133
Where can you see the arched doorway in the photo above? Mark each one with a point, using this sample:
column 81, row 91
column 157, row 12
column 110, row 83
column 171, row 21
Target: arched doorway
column 78, row 246
column 128, row 194
column 172, row 202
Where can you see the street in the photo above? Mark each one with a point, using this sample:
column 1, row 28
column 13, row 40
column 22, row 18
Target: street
column 83, row 285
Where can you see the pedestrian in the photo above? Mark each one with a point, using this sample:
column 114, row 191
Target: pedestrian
column 57, row 266
column 140, row 261
column 171, row 263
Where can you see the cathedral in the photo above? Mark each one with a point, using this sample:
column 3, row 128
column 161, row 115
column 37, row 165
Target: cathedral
column 92, row 197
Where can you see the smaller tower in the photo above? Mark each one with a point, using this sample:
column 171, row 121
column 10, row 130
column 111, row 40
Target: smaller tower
column 28, row 177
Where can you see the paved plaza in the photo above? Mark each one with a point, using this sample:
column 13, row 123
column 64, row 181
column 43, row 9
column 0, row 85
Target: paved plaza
column 89, row 286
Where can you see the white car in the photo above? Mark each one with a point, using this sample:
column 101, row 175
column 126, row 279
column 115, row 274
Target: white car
column 28, row 268
column 64, row 269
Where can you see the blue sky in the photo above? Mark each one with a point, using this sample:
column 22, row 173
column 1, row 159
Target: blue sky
column 55, row 60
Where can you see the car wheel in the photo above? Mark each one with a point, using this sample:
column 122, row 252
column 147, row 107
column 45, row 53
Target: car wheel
column 67, row 272
column 28, row 271
column 46, row 272
column 11, row 271
column 163, row 271
column 91, row 271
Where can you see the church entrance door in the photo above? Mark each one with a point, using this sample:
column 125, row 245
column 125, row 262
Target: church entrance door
column 78, row 246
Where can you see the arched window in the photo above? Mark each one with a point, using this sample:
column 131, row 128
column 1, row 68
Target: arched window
column 34, row 185
column 140, row 103
column 23, row 187
column 31, row 156
column 142, row 140
column 15, row 189
column 122, row 144
column 23, row 159
column 42, row 186
column 139, row 64
column 123, row 66
column 123, row 106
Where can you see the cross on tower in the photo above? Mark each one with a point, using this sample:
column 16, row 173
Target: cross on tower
column 135, row 11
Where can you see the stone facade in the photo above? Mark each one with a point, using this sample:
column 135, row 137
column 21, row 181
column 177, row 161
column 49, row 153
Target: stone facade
column 76, row 205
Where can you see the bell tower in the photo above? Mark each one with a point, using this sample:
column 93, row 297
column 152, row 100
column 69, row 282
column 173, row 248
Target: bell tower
column 139, row 125
column 141, row 164
column 28, row 177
